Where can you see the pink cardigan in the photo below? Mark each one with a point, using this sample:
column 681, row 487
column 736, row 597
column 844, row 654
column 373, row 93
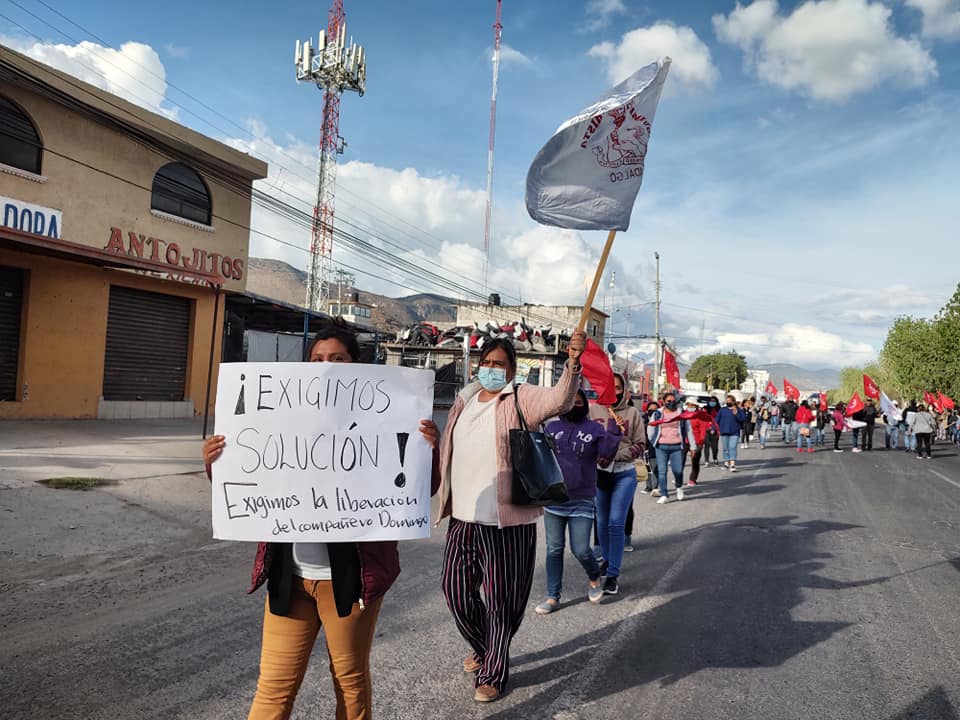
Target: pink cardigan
column 538, row 404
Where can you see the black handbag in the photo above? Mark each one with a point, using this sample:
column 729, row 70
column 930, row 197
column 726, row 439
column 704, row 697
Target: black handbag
column 537, row 479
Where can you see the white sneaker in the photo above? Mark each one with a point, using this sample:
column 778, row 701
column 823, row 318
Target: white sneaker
column 679, row 493
column 838, row 450
column 733, row 468
column 856, row 450
column 663, row 500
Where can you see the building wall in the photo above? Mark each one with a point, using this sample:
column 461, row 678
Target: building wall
column 63, row 336
column 94, row 201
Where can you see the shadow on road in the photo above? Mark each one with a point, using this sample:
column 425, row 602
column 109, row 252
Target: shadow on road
column 935, row 705
column 732, row 608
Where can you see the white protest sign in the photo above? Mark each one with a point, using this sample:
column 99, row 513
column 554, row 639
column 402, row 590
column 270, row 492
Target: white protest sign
column 324, row 452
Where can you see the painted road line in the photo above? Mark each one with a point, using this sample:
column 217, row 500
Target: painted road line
column 944, row 477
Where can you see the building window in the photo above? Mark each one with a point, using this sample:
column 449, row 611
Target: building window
column 179, row 190
column 20, row 145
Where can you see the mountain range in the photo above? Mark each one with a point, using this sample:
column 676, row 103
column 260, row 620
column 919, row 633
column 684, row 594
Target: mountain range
column 280, row 281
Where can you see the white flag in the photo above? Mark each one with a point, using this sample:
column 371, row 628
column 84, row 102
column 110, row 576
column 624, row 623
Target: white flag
column 888, row 408
column 588, row 174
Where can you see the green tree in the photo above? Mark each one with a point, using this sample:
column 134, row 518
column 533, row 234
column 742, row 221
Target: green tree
column 719, row 370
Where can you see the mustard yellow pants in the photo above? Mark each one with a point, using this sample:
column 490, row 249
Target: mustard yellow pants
column 288, row 642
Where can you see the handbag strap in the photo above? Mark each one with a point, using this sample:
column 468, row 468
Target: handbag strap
column 516, row 401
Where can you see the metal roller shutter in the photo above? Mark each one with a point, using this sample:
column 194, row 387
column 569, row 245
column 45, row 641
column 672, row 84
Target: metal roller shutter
column 11, row 308
column 147, row 338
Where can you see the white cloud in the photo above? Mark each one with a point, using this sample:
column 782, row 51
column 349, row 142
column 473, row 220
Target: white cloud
column 692, row 65
column 510, row 55
column 600, row 12
column 177, row 51
column 827, row 49
column 134, row 72
column 941, row 18
column 804, row 345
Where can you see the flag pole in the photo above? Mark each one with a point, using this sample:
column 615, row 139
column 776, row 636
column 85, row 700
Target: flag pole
column 585, row 315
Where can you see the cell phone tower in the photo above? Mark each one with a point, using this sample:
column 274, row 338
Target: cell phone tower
column 333, row 66
column 497, row 31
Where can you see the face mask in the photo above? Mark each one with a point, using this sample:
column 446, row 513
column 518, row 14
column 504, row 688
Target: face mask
column 729, row 404
column 713, row 403
column 671, row 404
column 619, row 398
column 492, row 379
column 576, row 414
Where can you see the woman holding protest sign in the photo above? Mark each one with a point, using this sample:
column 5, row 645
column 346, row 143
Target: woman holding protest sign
column 491, row 543
column 339, row 586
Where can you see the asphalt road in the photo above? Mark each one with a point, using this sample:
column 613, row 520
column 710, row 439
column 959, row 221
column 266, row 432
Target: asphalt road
column 804, row 586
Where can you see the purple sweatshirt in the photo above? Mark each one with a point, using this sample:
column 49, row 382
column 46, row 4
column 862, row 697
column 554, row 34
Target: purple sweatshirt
column 579, row 447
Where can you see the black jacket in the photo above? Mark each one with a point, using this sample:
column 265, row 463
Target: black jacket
column 789, row 411
column 344, row 574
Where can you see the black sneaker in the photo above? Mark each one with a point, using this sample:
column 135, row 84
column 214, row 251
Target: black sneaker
column 611, row 586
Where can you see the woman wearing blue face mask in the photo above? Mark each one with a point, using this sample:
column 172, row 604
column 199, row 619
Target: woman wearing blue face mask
column 491, row 543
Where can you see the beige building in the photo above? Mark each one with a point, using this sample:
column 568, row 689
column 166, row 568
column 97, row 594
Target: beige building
column 119, row 230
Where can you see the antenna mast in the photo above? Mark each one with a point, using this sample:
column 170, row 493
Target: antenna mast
column 497, row 29
column 333, row 66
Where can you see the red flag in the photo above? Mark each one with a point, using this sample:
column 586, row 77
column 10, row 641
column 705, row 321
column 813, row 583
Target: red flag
column 946, row 401
column 597, row 370
column 771, row 389
column 929, row 398
column 790, row 391
column 855, row 405
column 823, row 401
column 870, row 388
column 670, row 365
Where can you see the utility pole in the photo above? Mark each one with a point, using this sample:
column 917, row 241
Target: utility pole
column 497, row 30
column 702, row 327
column 342, row 275
column 333, row 66
column 656, row 381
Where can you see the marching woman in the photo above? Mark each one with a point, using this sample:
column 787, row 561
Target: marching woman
column 492, row 543
column 730, row 419
column 582, row 444
column 339, row 586
column 615, row 494
column 803, row 419
column 839, row 418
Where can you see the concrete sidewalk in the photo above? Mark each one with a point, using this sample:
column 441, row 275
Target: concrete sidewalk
column 111, row 449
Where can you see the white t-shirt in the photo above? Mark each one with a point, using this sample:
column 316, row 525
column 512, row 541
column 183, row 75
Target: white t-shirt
column 311, row 561
column 473, row 468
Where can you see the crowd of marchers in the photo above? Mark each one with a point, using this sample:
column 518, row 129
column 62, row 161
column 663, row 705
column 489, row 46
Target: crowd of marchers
column 604, row 453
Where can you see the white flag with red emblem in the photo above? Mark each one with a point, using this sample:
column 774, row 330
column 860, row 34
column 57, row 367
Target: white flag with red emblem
column 588, row 174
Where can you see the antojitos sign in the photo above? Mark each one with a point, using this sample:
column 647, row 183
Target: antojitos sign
column 173, row 254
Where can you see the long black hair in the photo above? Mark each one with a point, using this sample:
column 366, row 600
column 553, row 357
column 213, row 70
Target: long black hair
column 345, row 337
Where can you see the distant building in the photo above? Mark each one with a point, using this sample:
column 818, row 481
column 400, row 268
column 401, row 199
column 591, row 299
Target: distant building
column 351, row 309
column 561, row 317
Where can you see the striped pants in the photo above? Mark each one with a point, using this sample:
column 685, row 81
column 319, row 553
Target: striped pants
column 501, row 561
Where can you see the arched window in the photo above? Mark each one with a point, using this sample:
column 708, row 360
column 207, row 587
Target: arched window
column 180, row 191
column 20, row 145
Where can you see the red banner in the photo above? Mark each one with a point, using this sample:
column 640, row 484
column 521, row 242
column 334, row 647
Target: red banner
column 771, row 389
column 946, row 401
column 597, row 370
column 870, row 388
column 823, row 401
column 670, row 366
column 790, row 390
column 855, row 405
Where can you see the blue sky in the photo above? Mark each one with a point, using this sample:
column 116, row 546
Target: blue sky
column 799, row 184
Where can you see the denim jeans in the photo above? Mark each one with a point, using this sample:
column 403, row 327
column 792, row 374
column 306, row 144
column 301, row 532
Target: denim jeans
column 789, row 430
column 612, row 506
column 555, row 527
column 910, row 441
column 774, row 422
column 672, row 456
column 764, row 431
column 855, row 438
column 892, row 433
column 817, row 433
column 801, row 438
column 729, row 443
